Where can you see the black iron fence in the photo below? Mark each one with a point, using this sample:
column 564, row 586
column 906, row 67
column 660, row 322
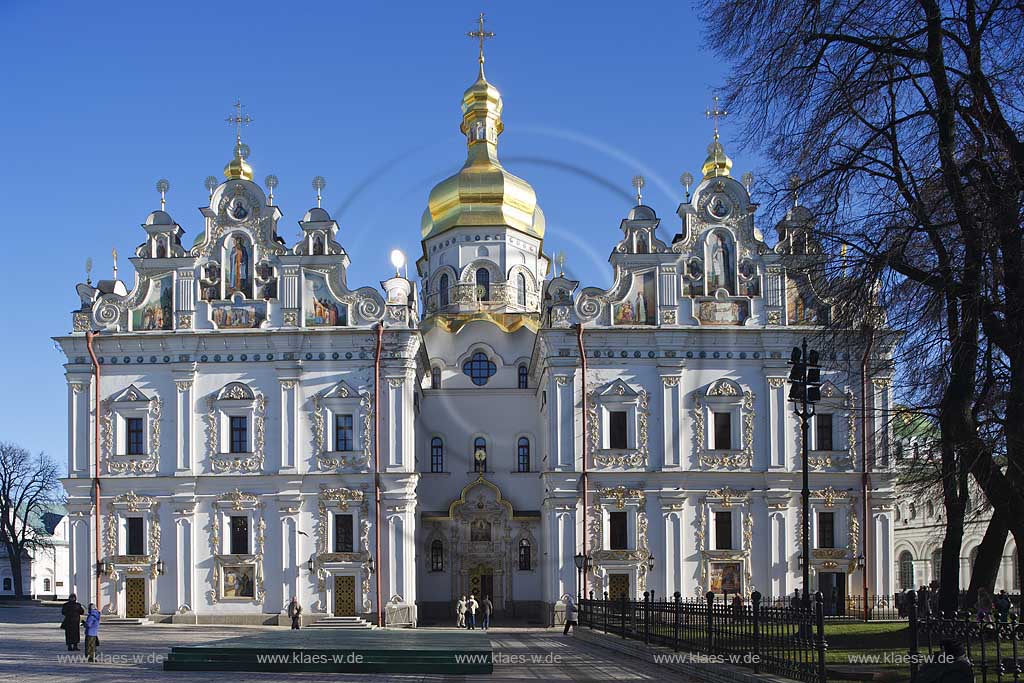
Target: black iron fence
column 785, row 640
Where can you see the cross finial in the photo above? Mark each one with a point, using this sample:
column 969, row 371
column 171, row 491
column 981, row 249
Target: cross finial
column 319, row 184
column 481, row 35
column 162, row 186
column 638, row 185
column 113, row 254
column 716, row 113
column 237, row 119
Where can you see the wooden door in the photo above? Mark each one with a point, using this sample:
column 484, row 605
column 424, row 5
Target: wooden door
column 618, row 586
column 344, row 596
column 135, row 598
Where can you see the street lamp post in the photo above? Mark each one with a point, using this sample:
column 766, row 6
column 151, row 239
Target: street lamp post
column 805, row 391
column 583, row 564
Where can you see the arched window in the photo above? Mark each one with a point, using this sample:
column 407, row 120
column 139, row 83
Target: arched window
column 929, row 509
column 521, row 289
column 937, row 565
column 479, row 368
column 523, row 455
column 483, row 284
column 436, row 455
column 435, row 378
column 46, row 586
column 524, row 376
column 913, row 511
column 479, row 454
column 906, row 570
column 436, row 556
column 442, row 286
column 7, row 583
column 524, row 555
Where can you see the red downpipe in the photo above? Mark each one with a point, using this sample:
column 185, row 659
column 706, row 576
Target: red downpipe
column 376, row 462
column 583, row 477
column 89, row 336
column 864, row 463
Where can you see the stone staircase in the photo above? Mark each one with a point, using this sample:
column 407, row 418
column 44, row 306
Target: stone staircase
column 122, row 621
column 350, row 623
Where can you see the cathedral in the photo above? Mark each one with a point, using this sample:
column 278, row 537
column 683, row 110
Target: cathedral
column 246, row 426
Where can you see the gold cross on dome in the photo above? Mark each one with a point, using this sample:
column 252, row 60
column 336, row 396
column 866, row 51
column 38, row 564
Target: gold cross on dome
column 716, row 113
column 481, row 34
column 238, row 119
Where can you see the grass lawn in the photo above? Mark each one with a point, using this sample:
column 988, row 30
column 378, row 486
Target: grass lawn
column 858, row 638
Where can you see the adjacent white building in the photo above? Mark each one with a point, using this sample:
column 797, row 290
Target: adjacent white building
column 44, row 570
column 268, row 429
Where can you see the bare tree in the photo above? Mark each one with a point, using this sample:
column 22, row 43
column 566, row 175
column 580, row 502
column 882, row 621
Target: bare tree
column 29, row 487
column 903, row 117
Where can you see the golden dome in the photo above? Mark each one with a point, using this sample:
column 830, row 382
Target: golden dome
column 238, row 167
column 482, row 193
column 717, row 163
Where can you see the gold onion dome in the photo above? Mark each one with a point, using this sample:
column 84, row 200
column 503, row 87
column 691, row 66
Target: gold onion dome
column 482, row 193
column 238, row 167
column 717, row 164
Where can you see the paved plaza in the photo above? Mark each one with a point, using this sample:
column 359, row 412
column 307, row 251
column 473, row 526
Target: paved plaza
column 32, row 651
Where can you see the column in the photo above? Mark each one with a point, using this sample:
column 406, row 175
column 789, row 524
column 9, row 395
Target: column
column 81, row 565
column 288, row 377
column 396, row 423
column 291, row 558
column 184, row 557
column 79, row 423
column 184, row 379
column 558, row 538
column 562, row 419
column 778, row 435
column 671, row 419
column 673, row 550
column 184, row 299
column 779, row 555
column 881, row 550
column 398, row 544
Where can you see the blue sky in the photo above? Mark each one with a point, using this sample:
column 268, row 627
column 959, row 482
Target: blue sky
column 101, row 99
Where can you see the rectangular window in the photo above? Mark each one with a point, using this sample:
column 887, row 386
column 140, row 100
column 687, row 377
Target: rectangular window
column 134, row 433
column 239, row 535
column 618, row 535
column 723, row 431
column 343, row 436
column 823, row 427
column 617, row 429
column 436, row 455
column 343, row 533
column 723, row 530
column 239, row 434
column 136, row 542
column 826, row 530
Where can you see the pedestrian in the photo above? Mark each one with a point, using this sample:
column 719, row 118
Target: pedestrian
column 984, row 605
column 295, row 613
column 924, row 605
column 737, row 605
column 72, row 612
column 471, row 608
column 794, row 602
column 1003, row 606
column 92, row 632
column 486, row 608
column 460, row 612
column 570, row 615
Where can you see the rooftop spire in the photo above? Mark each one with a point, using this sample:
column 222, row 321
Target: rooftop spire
column 481, row 35
column 717, row 163
column 238, row 167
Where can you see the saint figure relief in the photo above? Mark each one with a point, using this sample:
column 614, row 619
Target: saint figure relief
column 641, row 307
column 720, row 272
column 238, row 266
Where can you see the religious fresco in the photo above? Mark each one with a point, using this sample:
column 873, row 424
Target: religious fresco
column 721, row 263
column 157, row 312
column 480, row 531
column 639, row 306
column 237, row 266
column 238, row 581
column 209, row 281
column 322, row 309
column 726, row 577
column 713, row 312
column 750, row 282
column 238, row 316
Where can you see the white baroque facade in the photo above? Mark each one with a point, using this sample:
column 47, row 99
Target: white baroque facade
column 266, row 430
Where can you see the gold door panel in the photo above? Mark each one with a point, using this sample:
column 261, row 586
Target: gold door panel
column 618, row 586
column 135, row 598
column 344, row 596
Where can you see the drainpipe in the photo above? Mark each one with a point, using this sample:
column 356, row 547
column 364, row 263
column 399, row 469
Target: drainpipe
column 89, row 336
column 864, row 462
column 583, row 476
column 376, row 463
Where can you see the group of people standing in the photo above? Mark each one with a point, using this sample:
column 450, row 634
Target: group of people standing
column 72, row 624
column 465, row 612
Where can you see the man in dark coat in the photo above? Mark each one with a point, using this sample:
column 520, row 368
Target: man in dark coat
column 71, row 621
column 295, row 613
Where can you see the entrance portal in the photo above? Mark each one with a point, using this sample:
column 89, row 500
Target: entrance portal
column 344, row 596
column 481, row 582
column 833, row 590
column 135, row 598
column 618, row 586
